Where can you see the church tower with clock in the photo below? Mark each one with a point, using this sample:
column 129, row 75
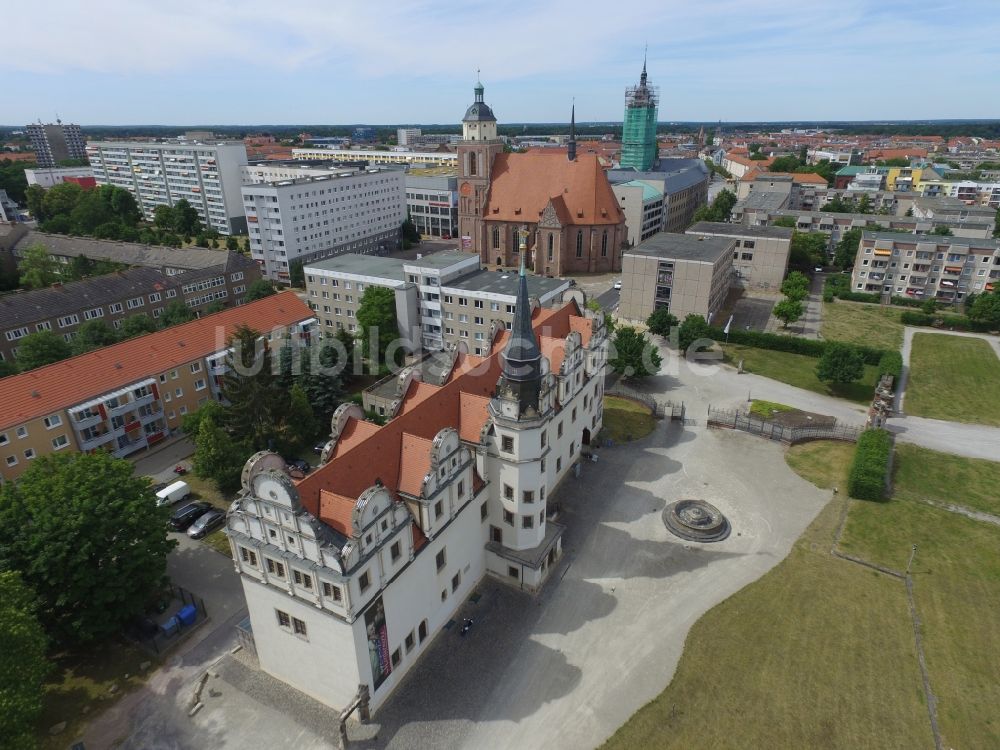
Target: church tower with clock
column 476, row 153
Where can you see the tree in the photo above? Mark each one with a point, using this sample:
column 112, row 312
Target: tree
column 217, row 456
column 13, row 179
column 300, row 420
column 996, row 223
column 257, row 403
column 61, row 199
column 693, row 328
column 7, row 368
column 929, row 306
column 808, row 250
column 38, row 268
column 296, row 274
column 258, row 290
column 377, row 320
column 23, row 665
column 784, row 221
column 784, row 164
column 88, row 537
column 93, row 334
column 409, row 230
column 233, row 245
column 986, row 309
column 864, row 204
column 174, row 313
column 350, row 343
column 839, row 206
column 840, row 363
column 42, row 348
column 661, row 321
column 942, row 231
column 847, row 249
column 634, row 356
column 186, row 219
column 796, row 286
column 164, row 218
column 788, row 311
column 718, row 210
column 35, row 198
column 136, row 325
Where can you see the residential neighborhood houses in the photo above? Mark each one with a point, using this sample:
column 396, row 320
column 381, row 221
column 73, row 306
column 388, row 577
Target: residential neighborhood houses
column 499, row 434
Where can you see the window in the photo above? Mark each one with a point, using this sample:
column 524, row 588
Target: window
column 12, row 460
column 51, row 421
column 483, row 512
column 60, row 442
column 512, row 571
column 178, row 392
column 456, row 581
column 394, row 551
column 579, row 244
column 544, row 437
column 422, row 630
column 3, row 438
column 558, row 465
column 364, row 581
column 559, row 430
column 409, row 642
column 298, row 627
column 302, row 579
column 284, row 620
column 248, row 556
column 508, row 492
column 275, row 568
column 331, row 592
column 529, row 496
column 507, row 444
column 441, row 558
column 195, row 367
column 508, row 517
column 22, row 431
column 438, row 509
column 396, row 658
column 199, row 385
column 604, row 244
column 527, row 522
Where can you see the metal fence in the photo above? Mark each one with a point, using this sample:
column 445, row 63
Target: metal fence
column 736, row 420
column 660, row 408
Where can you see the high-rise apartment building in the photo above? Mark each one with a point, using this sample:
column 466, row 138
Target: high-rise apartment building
column 639, row 128
column 407, row 136
column 207, row 175
column 55, row 142
column 310, row 218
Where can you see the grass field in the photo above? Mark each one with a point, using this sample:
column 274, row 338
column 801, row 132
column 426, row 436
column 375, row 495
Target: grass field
column 799, row 370
column 956, row 579
column 626, row 420
column 953, row 378
column 820, row 652
column 861, row 323
column 79, row 685
column 971, row 482
column 766, row 409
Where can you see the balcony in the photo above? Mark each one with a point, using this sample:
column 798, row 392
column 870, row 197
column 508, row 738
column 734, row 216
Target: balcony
column 96, row 441
column 129, row 447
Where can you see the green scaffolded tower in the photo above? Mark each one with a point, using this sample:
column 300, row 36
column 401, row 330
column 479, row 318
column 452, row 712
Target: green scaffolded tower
column 639, row 129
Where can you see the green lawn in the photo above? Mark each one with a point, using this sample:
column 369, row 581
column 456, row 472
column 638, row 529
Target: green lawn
column 862, row 323
column 78, row 687
column 799, row 370
column 820, row 652
column 626, row 420
column 956, row 578
column 953, row 378
column 766, row 409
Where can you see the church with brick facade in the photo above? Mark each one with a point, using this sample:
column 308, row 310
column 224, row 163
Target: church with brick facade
column 561, row 202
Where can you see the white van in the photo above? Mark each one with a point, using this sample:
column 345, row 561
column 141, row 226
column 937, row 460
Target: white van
column 173, row 493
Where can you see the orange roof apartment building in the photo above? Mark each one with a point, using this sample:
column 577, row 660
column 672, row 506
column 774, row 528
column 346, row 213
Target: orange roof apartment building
column 129, row 396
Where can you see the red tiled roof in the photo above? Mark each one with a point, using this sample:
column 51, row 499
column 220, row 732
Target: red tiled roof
column 583, row 327
column 354, row 433
column 554, row 350
column 48, row 389
column 397, row 454
column 523, row 184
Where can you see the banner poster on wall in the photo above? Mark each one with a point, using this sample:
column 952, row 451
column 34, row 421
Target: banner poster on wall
column 378, row 643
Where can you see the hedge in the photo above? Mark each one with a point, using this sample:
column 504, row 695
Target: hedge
column 943, row 320
column 906, row 302
column 891, row 363
column 860, row 297
column 866, row 480
column 908, row 318
column 791, row 344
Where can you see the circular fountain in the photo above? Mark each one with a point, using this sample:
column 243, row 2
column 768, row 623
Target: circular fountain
column 696, row 521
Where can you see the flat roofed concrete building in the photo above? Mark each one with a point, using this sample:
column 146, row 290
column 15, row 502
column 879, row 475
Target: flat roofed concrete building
column 132, row 395
column 760, row 258
column 55, row 142
column 684, row 273
column 51, row 177
column 207, row 175
column 311, row 218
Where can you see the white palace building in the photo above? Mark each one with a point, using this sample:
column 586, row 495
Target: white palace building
column 351, row 571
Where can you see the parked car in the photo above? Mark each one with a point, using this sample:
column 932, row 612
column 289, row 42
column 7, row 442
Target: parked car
column 298, row 463
column 187, row 515
column 618, row 284
column 173, row 493
column 206, row 523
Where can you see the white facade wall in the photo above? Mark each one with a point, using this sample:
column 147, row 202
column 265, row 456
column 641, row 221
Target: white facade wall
column 434, row 158
column 47, row 178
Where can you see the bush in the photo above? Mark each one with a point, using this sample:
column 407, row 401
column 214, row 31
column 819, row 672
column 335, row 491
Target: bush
column 942, row 320
column 906, row 302
column 859, row 297
column 790, row 344
column 908, row 318
column 866, row 480
column 828, row 296
column 891, row 364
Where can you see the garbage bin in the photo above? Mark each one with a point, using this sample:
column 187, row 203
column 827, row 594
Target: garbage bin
column 188, row 615
column 169, row 628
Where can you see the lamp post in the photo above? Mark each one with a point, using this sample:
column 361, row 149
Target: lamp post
column 913, row 553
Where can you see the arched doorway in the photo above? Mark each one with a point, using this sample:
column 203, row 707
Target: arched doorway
column 586, row 436
column 499, row 261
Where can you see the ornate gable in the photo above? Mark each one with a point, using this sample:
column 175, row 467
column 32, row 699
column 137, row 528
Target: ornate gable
column 550, row 217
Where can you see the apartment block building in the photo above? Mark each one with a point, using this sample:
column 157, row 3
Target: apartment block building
column 835, row 224
column 351, row 572
column 683, row 183
column 208, row 175
column 925, row 266
column 310, row 218
column 760, row 258
column 441, row 299
column 643, row 207
column 682, row 272
column 63, row 308
column 381, row 158
column 55, row 142
column 129, row 396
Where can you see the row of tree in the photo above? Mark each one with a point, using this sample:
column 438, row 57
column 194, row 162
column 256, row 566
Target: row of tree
column 718, row 210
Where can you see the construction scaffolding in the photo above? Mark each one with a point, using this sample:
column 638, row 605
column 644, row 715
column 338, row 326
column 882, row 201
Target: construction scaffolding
column 639, row 128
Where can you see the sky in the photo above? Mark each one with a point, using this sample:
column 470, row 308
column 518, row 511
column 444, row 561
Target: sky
column 177, row 62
